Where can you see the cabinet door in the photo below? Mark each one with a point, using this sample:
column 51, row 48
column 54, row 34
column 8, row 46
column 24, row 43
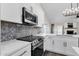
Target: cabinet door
column 69, row 50
column 58, row 46
column 13, row 12
column 66, row 46
column 52, row 44
column 68, row 43
column 48, row 44
column 27, row 52
column 73, row 42
column 9, row 12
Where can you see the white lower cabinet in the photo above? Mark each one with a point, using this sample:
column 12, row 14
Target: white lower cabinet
column 48, row 44
column 61, row 45
column 26, row 51
column 68, row 44
column 27, row 54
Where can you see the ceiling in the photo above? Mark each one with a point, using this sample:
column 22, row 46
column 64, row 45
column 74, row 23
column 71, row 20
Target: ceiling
column 54, row 11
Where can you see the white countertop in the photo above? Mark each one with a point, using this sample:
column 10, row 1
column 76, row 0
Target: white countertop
column 10, row 47
column 42, row 34
column 77, row 36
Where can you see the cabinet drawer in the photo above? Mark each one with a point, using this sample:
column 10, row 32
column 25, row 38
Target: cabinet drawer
column 48, row 45
column 28, row 53
column 23, row 51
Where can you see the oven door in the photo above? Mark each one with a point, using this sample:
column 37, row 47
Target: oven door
column 37, row 50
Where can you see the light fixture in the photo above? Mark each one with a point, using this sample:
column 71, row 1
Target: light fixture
column 77, row 9
column 72, row 11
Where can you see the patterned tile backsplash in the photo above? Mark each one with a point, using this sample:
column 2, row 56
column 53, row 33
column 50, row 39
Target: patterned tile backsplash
column 10, row 31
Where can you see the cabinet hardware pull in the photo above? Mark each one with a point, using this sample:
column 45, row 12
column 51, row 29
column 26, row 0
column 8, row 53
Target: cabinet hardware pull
column 23, row 53
column 65, row 44
column 53, row 42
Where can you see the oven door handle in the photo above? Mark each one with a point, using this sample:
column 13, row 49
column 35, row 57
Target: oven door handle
column 37, row 45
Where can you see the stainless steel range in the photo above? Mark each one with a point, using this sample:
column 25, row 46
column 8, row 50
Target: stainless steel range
column 36, row 44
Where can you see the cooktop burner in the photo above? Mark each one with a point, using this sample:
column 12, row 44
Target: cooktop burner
column 29, row 38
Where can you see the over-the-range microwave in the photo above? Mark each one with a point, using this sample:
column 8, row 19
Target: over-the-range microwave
column 29, row 18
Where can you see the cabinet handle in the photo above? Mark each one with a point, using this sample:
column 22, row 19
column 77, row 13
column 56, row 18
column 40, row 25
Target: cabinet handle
column 65, row 44
column 53, row 42
column 23, row 53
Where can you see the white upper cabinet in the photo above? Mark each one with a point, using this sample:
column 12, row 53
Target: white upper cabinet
column 12, row 12
column 9, row 12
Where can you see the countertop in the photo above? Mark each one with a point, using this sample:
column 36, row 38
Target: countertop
column 42, row 34
column 12, row 46
column 76, row 36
